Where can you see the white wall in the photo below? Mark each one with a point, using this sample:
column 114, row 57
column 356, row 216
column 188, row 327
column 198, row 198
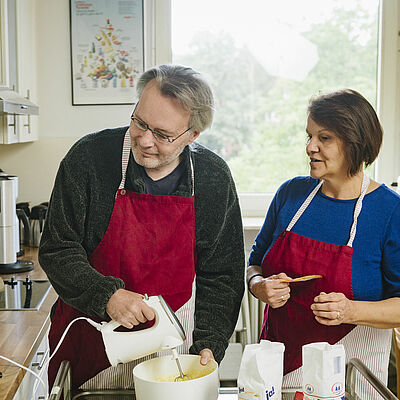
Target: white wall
column 60, row 123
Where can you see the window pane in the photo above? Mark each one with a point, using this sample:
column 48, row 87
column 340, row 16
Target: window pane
column 265, row 59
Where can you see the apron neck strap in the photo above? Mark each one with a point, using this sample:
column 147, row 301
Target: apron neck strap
column 357, row 209
column 191, row 171
column 126, row 151
column 303, row 207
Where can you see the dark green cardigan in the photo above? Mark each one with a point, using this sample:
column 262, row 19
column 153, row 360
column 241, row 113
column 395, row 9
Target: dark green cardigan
column 80, row 209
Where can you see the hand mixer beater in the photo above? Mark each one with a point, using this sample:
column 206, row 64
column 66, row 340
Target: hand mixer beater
column 182, row 376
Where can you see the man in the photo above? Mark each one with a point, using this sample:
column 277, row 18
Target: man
column 144, row 210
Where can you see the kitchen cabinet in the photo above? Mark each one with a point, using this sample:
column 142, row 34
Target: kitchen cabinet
column 18, row 72
column 8, row 124
column 9, row 132
column 26, row 66
column 7, row 45
column 39, row 366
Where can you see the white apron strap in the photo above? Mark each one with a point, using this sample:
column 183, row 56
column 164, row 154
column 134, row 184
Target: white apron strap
column 303, row 207
column 357, row 209
column 126, row 151
column 191, row 171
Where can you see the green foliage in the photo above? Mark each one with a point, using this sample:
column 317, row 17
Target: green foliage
column 259, row 127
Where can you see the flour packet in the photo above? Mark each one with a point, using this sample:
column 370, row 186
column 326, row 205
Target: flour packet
column 261, row 371
column 323, row 371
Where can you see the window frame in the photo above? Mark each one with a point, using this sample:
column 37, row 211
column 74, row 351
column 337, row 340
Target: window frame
column 388, row 87
column 387, row 167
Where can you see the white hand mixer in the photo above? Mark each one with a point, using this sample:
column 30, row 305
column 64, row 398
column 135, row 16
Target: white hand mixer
column 166, row 334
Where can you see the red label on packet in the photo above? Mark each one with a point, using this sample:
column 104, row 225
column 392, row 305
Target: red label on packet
column 298, row 396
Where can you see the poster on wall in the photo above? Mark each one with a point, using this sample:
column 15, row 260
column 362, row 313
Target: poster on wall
column 107, row 51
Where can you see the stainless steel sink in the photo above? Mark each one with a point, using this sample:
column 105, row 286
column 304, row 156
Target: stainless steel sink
column 23, row 294
column 62, row 386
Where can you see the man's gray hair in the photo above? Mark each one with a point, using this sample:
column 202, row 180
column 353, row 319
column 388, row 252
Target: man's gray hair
column 186, row 85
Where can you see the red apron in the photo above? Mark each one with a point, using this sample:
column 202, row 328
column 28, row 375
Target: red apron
column 294, row 324
column 150, row 245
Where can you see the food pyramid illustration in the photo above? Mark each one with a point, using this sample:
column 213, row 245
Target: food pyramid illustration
column 106, row 62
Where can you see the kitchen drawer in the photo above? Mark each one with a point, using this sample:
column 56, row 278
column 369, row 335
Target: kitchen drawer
column 39, row 366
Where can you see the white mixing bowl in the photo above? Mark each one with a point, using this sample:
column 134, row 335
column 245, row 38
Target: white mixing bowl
column 154, row 379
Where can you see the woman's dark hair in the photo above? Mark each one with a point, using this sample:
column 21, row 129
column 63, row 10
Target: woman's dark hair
column 352, row 118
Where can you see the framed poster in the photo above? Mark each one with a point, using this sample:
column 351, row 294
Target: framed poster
column 107, row 50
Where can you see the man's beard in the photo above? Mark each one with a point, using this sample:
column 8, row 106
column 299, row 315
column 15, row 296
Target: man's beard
column 158, row 160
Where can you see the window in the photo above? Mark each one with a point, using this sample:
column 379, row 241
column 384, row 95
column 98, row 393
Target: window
column 351, row 53
column 265, row 60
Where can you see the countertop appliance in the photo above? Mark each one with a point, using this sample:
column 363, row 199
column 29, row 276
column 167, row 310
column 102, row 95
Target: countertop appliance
column 166, row 334
column 9, row 228
column 24, row 294
column 37, row 218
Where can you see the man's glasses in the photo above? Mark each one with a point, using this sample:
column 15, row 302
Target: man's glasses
column 160, row 137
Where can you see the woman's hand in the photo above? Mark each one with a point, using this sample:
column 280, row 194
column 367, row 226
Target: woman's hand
column 271, row 290
column 332, row 309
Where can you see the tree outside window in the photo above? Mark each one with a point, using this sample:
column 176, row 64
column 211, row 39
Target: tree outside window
column 263, row 78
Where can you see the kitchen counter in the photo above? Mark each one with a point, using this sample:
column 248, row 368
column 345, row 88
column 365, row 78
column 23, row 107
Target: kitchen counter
column 22, row 331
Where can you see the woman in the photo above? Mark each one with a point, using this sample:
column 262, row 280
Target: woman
column 342, row 225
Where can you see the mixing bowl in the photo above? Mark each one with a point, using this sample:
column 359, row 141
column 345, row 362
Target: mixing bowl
column 154, row 379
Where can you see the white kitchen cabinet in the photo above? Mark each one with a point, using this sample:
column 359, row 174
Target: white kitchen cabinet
column 18, row 67
column 9, row 124
column 7, row 45
column 39, row 366
column 26, row 65
column 4, row 79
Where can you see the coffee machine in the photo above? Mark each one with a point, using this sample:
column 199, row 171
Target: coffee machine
column 9, row 228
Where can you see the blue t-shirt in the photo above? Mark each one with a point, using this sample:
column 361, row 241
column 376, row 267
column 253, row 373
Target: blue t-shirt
column 376, row 247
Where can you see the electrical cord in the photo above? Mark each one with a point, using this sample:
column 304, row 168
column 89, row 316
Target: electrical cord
column 38, row 377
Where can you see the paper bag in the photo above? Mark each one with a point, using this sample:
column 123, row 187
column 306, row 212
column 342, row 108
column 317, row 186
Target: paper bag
column 261, row 371
column 323, row 371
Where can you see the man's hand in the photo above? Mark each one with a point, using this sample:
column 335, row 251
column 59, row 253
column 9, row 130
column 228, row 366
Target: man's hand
column 206, row 356
column 128, row 308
